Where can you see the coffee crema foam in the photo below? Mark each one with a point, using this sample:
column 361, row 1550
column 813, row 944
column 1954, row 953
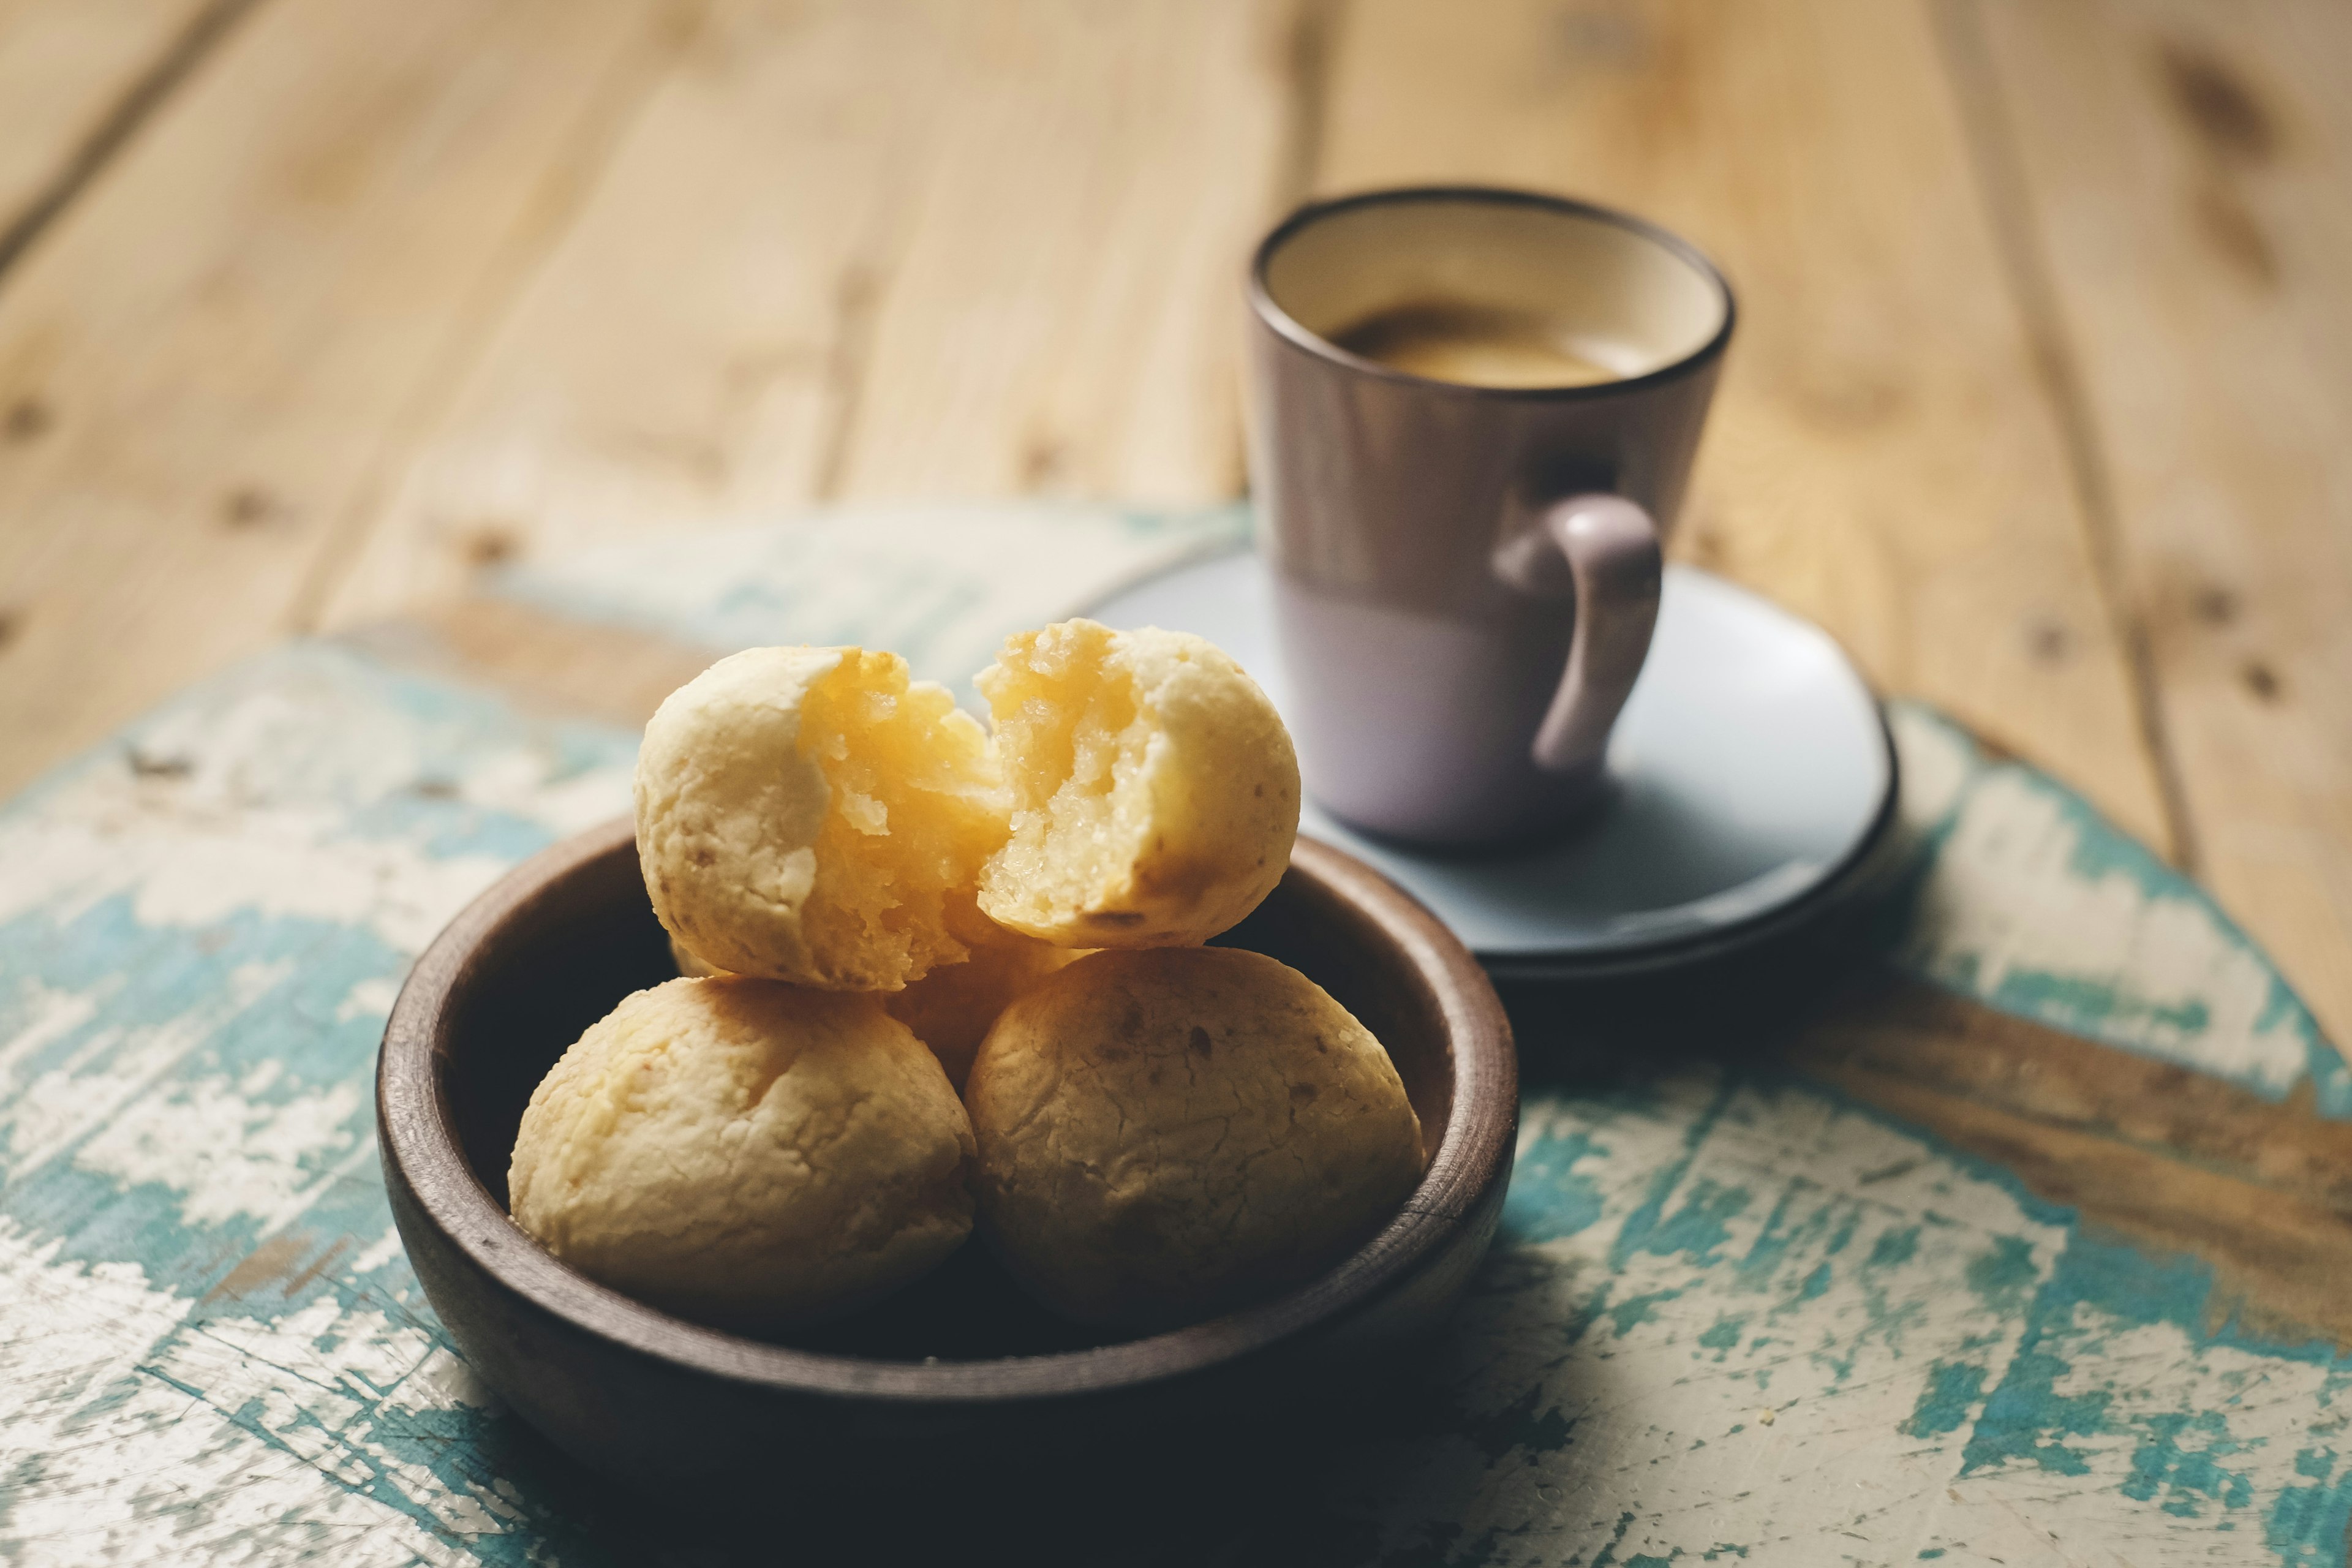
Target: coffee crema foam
column 1473, row 344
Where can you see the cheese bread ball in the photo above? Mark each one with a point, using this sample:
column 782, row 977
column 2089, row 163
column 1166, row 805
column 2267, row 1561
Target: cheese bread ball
column 748, row 1153
column 952, row 1008
column 807, row 814
column 1165, row 1135
column 1154, row 789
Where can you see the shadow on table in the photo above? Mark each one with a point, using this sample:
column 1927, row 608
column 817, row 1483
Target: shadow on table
column 1253, row 1498
column 1739, row 1010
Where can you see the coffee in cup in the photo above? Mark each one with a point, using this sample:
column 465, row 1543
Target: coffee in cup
column 1473, row 343
column 1473, row 417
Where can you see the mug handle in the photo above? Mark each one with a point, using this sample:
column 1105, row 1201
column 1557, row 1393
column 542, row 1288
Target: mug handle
column 1606, row 547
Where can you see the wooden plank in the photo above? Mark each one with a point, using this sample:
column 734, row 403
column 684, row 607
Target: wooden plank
column 1881, row 456
column 2172, row 1158
column 684, row 353
column 2191, row 184
column 73, row 74
column 543, row 663
column 222, row 333
column 859, row 249
column 1065, row 315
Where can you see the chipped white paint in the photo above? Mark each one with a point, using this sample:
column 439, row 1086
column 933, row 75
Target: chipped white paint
column 216, row 1350
column 227, row 1149
column 157, row 1440
column 2037, row 905
column 55, row 1109
column 213, row 1347
column 41, row 1016
column 1771, row 1331
column 1735, row 1250
column 370, row 998
column 192, row 849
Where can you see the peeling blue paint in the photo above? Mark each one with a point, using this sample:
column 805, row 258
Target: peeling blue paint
column 1553, row 1200
column 2092, row 1006
column 2178, row 1458
column 1643, row 1222
column 2182, row 1473
column 1894, row 1247
column 1636, row 1311
column 2307, row 1527
column 1825, row 1268
column 1698, row 1227
column 2003, row 1275
column 294, row 1039
column 1952, row 1391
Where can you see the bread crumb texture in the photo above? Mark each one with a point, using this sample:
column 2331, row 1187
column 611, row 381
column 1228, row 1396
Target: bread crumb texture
column 1168, row 1134
column 748, row 1153
column 1154, row 790
column 808, row 813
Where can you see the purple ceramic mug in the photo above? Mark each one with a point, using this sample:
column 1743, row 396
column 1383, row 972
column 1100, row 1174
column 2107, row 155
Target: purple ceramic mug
column 1473, row 414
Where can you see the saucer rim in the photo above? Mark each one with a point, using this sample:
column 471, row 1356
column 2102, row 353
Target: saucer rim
column 1837, row 885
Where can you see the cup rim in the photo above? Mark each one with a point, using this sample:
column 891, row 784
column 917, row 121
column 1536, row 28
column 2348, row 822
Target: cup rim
column 1268, row 310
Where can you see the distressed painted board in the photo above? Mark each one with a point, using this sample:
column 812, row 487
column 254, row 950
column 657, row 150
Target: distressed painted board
column 1948, row 1278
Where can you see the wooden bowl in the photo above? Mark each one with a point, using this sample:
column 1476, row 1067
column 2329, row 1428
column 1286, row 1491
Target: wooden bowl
column 958, row 1364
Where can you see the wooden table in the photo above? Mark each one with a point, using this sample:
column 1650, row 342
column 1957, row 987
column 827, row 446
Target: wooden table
column 308, row 309
column 312, row 310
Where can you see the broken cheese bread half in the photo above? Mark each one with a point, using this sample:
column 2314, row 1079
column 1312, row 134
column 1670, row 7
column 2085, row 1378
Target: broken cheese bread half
column 1154, row 790
column 809, row 814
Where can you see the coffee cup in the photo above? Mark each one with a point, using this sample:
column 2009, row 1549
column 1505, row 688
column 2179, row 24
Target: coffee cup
column 1472, row 414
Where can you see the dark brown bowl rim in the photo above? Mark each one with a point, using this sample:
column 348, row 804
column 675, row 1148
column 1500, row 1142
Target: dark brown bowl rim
column 420, row 1140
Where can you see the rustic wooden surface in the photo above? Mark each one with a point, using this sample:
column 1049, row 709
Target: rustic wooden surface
column 324, row 315
column 308, row 312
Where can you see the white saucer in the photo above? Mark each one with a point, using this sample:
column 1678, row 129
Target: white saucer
column 1754, row 777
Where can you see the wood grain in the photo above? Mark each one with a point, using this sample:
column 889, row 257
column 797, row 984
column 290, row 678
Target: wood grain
column 1882, row 456
column 864, row 250
column 685, row 355
column 223, row 334
column 72, row 75
column 1064, row 317
column 543, row 663
column 2175, row 1160
column 2191, row 185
